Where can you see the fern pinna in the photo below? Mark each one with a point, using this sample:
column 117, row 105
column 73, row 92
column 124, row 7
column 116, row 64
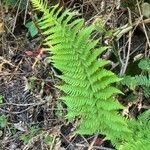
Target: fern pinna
column 89, row 94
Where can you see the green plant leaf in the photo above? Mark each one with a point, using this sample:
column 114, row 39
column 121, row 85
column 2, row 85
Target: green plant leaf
column 26, row 137
column 144, row 64
column 48, row 139
column 1, row 99
column 32, row 28
column 10, row 2
column 3, row 121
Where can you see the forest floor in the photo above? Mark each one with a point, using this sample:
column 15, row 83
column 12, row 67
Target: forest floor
column 31, row 116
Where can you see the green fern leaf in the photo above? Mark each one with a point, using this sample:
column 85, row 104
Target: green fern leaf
column 141, row 136
column 144, row 64
column 88, row 86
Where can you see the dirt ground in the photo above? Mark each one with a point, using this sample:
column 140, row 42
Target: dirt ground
column 32, row 116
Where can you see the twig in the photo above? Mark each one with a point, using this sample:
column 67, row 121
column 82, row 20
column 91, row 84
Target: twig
column 21, row 105
column 96, row 147
column 15, row 113
column 119, row 32
column 144, row 28
column 8, row 74
column 17, row 67
column 67, row 140
column 129, row 47
column 30, row 106
column 13, row 28
column 92, row 144
column 93, row 4
column 26, row 10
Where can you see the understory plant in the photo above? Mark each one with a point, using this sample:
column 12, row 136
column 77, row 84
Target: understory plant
column 140, row 139
column 88, row 87
column 140, row 81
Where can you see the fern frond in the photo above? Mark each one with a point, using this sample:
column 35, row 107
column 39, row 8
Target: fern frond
column 144, row 64
column 141, row 136
column 139, row 145
column 142, row 80
column 146, row 91
column 40, row 5
column 138, row 80
column 88, row 85
column 130, row 82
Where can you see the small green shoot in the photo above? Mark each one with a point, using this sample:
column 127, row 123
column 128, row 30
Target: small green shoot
column 48, row 139
column 3, row 121
column 1, row 99
column 26, row 137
